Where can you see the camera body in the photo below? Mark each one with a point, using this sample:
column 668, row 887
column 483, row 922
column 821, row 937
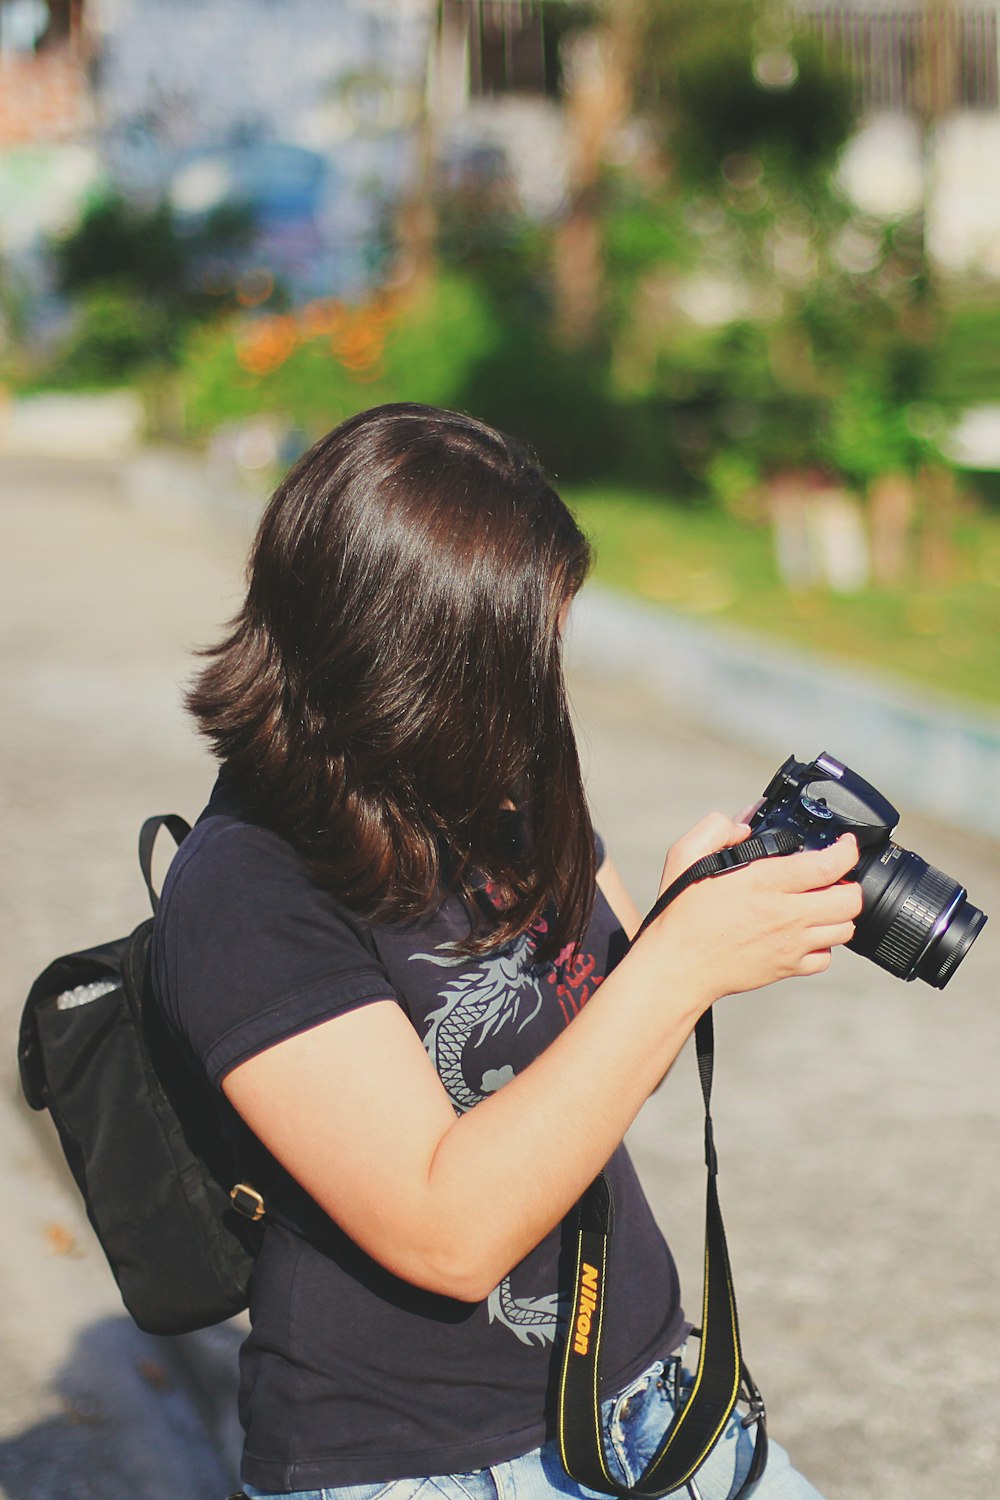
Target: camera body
column 916, row 921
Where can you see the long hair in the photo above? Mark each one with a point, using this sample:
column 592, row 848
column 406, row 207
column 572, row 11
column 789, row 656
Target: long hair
column 393, row 681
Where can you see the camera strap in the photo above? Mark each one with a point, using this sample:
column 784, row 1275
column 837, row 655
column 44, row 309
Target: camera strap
column 722, row 1378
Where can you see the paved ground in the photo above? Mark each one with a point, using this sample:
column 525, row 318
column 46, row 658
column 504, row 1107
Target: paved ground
column 857, row 1116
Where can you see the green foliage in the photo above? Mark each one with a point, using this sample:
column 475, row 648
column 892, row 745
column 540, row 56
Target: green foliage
column 965, row 369
column 753, row 114
column 868, row 435
column 832, row 362
column 738, row 88
column 557, row 402
column 300, row 367
column 144, row 248
column 134, row 247
column 732, row 477
column 482, row 237
column 15, row 303
column 453, row 346
column 136, row 282
column 116, row 334
column 643, row 233
column 728, row 120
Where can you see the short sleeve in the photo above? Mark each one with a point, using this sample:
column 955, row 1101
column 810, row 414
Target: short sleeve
column 247, row 950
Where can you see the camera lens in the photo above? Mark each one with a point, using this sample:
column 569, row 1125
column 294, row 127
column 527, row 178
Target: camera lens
column 916, row 922
column 943, row 957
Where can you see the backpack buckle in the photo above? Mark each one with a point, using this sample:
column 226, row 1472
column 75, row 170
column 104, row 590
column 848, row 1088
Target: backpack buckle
column 247, row 1201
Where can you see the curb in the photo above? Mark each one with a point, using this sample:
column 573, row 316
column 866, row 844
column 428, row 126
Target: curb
column 933, row 754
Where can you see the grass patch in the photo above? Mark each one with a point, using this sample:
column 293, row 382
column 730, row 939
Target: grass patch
column 944, row 634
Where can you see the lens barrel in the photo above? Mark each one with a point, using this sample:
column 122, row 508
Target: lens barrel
column 941, row 960
column 916, row 921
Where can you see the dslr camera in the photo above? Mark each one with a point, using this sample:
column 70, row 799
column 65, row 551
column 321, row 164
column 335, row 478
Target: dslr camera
column 916, row 921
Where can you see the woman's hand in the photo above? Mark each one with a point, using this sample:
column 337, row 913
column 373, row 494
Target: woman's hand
column 714, row 832
column 769, row 920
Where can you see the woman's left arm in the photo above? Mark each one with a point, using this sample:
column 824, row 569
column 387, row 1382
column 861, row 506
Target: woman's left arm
column 617, row 895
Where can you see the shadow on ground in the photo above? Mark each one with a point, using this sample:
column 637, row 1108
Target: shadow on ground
column 133, row 1417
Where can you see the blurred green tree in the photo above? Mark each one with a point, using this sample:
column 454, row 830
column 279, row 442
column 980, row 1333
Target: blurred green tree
column 137, row 280
column 772, row 320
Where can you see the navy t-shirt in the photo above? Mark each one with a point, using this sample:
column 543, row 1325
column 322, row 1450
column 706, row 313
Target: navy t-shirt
column 349, row 1374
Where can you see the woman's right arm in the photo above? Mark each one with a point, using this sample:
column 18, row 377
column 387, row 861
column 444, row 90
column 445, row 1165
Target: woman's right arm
column 354, row 1109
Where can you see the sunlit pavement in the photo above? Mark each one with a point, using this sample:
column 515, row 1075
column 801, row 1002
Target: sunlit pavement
column 856, row 1116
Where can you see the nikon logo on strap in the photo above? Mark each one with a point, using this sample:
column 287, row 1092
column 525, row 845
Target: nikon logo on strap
column 586, row 1301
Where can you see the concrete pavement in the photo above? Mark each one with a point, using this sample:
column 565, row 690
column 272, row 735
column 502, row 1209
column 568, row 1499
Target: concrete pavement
column 856, row 1116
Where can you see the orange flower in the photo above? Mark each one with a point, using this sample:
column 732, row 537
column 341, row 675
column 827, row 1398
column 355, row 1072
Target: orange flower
column 357, row 335
column 265, row 344
column 320, row 318
column 359, row 346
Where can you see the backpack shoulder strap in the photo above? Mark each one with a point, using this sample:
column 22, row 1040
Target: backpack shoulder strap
column 177, row 827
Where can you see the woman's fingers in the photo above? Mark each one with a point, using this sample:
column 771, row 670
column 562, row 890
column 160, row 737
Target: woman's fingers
column 833, row 904
column 814, row 869
column 712, row 833
column 832, row 935
column 771, row 919
column 815, row 963
column 809, row 870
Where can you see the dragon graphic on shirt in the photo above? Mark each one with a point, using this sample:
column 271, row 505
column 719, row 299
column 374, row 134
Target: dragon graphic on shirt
column 501, row 992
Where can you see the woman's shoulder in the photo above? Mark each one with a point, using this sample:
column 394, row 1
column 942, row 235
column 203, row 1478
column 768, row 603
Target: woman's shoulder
column 247, row 948
column 227, row 851
column 234, row 880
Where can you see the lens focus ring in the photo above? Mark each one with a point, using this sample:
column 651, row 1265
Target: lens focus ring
column 910, row 929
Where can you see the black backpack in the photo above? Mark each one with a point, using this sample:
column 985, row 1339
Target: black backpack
column 141, row 1130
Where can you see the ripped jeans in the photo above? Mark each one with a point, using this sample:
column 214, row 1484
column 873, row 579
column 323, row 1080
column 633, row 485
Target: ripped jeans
column 634, row 1422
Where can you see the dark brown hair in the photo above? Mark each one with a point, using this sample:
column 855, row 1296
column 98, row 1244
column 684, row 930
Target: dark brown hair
column 394, row 679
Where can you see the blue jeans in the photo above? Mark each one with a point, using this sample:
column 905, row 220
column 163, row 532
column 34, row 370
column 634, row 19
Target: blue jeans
column 634, row 1422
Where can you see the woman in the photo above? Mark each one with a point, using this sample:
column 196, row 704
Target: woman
column 385, row 943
